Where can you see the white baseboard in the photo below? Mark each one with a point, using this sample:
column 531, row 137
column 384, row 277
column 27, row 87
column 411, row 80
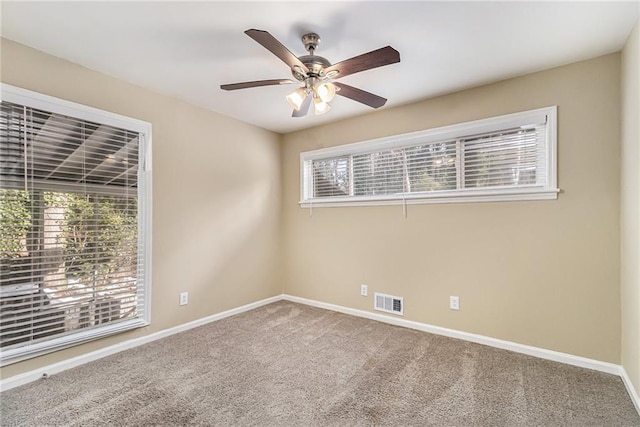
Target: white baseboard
column 633, row 393
column 542, row 353
column 27, row 377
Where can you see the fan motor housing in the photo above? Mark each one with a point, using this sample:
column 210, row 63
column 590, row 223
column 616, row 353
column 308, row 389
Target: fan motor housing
column 316, row 65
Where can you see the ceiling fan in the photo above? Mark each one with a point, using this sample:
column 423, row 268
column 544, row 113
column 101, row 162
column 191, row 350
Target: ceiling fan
column 317, row 74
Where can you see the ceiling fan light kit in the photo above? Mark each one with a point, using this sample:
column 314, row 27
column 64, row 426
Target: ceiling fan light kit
column 316, row 74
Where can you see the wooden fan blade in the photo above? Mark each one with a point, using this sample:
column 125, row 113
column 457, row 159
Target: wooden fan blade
column 360, row 95
column 304, row 108
column 274, row 46
column 257, row 83
column 366, row 61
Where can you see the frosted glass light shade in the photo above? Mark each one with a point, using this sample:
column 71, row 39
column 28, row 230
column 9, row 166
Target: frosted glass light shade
column 296, row 97
column 326, row 91
column 320, row 106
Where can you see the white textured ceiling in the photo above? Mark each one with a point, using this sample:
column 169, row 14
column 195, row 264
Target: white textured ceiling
column 187, row 50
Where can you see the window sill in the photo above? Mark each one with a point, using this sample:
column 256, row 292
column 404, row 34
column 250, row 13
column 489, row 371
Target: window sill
column 441, row 197
column 48, row 346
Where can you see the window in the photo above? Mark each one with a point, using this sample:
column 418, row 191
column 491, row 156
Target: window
column 510, row 157
column 75, row 212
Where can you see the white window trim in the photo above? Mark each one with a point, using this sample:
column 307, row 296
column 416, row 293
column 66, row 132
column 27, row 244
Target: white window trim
column 444, row 133
column 37, row 100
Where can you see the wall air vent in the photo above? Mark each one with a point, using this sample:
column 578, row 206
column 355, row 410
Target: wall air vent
column 388, row 303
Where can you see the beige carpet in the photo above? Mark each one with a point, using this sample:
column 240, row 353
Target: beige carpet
column 292, row 365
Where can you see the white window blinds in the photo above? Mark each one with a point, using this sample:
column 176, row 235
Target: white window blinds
column 73, row 258
column 509, row 156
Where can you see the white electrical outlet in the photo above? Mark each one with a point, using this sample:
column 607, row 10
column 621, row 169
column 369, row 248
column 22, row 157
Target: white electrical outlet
column 364, row 291
column 454, row 303
column 184, row 298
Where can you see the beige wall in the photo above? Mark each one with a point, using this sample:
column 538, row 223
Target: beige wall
column 216, row 195
column 542, row 273
column 630, row 212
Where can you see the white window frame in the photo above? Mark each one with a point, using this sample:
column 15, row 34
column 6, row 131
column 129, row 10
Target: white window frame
column 40, row 101
column 441, row 134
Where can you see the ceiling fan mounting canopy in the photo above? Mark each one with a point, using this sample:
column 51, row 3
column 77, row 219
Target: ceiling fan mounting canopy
column 311, row 42
column 316, row 73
